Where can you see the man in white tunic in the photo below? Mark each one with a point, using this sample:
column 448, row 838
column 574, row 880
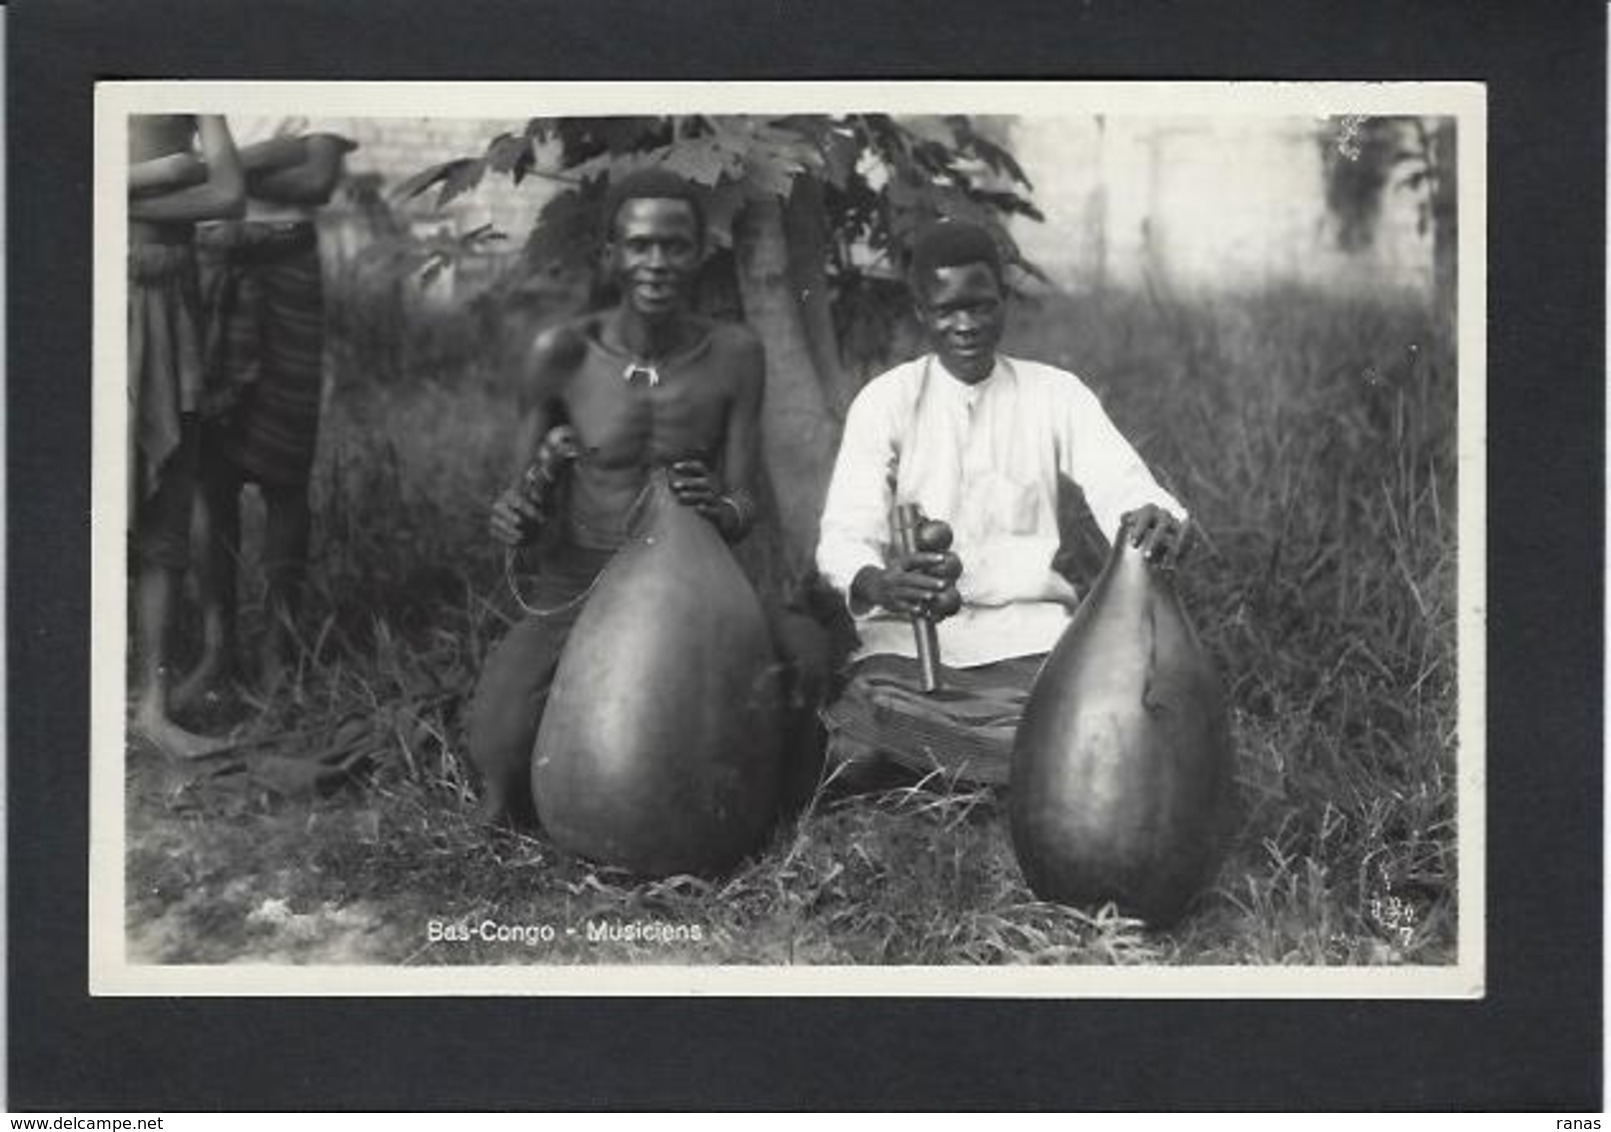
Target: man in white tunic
column 979, row 440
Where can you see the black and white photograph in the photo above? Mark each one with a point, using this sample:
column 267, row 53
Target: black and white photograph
column 1013, row 539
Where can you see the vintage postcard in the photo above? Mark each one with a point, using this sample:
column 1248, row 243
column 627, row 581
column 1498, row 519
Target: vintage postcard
column 769, row 539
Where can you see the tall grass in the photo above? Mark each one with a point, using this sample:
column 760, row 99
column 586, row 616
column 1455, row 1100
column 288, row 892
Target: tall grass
column 1312, row 437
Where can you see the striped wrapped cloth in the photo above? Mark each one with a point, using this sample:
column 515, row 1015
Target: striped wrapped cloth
column 265, row 346
column 964, row 729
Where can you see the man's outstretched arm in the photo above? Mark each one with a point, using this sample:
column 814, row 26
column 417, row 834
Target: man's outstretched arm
column 1119, row 487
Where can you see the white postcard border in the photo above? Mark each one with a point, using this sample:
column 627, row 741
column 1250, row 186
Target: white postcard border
column 112, row 974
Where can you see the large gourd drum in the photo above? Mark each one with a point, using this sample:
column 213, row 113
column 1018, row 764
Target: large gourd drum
column 1121, row 785
column 660, row 750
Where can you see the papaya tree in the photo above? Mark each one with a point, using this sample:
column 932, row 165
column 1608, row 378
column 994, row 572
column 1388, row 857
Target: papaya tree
column 810, row 218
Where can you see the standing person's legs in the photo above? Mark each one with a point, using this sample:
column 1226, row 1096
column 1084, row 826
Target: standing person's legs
column 217, row 532
column 161, row 553
column 267, row 353
column 286, row 530
column 281, row 434
column 165, row 379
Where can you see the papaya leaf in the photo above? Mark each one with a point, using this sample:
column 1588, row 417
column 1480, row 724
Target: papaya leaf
column 583, row 139
column 576, row 141
column 704, row 160
column 460, row 177
column 1007, row 203
column 415, row 185
column 813, row 127
column 1001, row 161
column 609, row 167
column 565, row 233
column 928, row 128
column 628, row 133
column 505, row 151
column 598, row 165
column 970, row 141
column 882, row 178
column 512, row 154
column 934, row 159
column 954, row 204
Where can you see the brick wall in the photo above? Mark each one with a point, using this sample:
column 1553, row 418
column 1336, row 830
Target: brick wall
column 1202, row 203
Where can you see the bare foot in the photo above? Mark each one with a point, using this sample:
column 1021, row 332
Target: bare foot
column 173, row 740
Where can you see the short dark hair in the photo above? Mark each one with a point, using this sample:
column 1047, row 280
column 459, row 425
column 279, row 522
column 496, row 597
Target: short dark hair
column 651, row 183
column 952, row 243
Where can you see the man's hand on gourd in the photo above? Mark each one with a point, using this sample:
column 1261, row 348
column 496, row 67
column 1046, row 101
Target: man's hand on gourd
column 1161, row 537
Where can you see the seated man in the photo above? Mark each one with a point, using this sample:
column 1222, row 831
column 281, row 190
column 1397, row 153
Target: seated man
column 607, row 398
column 979, row 440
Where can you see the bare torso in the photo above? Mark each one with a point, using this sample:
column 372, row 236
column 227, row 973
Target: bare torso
column 626, row 426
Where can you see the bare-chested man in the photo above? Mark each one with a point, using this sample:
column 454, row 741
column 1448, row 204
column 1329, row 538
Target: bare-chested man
column 646, row 384
column 169, row 191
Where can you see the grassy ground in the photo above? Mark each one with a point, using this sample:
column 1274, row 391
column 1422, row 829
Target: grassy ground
column 1312, row 437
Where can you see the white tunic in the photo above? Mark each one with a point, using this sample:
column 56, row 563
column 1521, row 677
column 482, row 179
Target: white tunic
column 985, row 458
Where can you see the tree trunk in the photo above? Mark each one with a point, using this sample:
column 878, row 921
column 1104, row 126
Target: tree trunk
column 805, row 225
column 799, row 438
